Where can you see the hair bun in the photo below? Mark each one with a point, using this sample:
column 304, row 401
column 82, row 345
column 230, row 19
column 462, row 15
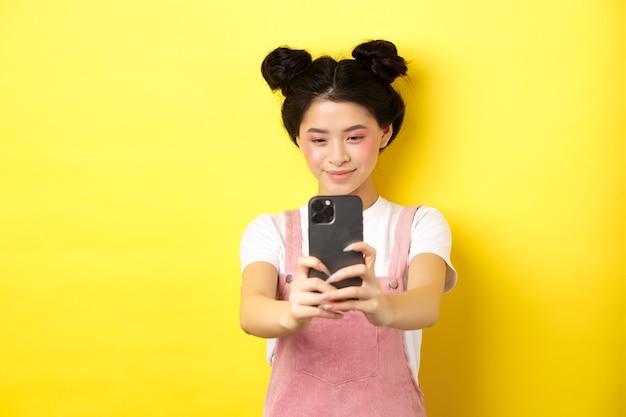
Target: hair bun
column 382, row 58
column 283, row 64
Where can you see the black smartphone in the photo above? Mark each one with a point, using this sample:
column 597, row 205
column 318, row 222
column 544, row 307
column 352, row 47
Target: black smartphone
column 334, row 223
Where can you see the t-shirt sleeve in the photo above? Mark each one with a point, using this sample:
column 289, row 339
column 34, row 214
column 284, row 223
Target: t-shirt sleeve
column 261, row 242
column 431, row 234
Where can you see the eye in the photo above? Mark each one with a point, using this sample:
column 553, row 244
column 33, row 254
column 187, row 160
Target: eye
column 355, row 138
column 318, row 141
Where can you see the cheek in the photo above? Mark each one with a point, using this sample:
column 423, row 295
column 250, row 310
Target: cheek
column 367, row 153
column 311, row 154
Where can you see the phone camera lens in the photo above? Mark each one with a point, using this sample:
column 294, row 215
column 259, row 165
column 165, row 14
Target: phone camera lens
column 317, row 205
column 322, row 211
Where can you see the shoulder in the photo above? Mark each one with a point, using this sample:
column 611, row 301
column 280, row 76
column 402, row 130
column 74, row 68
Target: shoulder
column 265, row 224
column 263, row 240
column 421, row 214
column 431, row 234
column 272, row 224
column 429, row 215
column 430, row 225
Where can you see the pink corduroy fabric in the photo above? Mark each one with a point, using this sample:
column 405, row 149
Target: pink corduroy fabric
column 338, row 368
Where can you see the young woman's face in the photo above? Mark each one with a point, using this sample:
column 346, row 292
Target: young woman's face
column 341, row 142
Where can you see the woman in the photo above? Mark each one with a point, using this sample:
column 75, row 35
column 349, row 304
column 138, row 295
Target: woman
column 354, row 350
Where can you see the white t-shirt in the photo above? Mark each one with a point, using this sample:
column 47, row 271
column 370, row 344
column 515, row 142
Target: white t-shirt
column 264, row 240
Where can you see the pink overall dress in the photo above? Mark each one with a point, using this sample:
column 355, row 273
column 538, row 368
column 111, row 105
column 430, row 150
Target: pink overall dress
column 339, row 368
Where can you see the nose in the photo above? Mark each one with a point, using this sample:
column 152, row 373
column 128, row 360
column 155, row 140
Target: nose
column 337, row 153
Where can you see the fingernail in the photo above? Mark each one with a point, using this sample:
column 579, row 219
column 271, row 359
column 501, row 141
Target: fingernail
column 349, row 247
column 330, row 279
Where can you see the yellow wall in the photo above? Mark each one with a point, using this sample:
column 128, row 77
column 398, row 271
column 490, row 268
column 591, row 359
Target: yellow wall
column 138, row 138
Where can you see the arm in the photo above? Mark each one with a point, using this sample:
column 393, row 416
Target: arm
column 261, row 314
column 416, row 308
column 259, row 311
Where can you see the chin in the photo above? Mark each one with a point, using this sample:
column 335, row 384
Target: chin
column 340, row 191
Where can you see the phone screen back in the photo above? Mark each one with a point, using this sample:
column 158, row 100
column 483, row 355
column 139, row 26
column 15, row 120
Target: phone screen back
column 334, row 223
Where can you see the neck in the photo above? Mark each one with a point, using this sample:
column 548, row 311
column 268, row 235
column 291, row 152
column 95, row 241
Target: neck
column 368, row 195
column 366, row 191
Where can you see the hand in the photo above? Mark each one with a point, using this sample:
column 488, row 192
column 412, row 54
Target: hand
column 305, row 296
column 368, row 298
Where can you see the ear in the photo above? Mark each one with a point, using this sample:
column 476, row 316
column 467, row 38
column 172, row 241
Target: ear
column 387, row 132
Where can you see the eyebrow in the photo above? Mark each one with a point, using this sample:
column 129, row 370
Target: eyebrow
column 350, row 129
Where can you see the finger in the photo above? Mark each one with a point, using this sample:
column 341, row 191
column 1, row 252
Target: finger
column 346, row 293
column 314, row 286
column 310, row 262
column 341, row 308
column 307, row 297
column 347, row 306
column 303, row 313
column 369, row 253
column 365, row 305
column 352, row 271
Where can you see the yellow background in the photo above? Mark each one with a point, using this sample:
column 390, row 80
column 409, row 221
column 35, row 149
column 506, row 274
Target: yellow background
column 137, row 139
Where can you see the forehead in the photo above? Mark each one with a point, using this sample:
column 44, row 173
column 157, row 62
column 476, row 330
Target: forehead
column 328, row 114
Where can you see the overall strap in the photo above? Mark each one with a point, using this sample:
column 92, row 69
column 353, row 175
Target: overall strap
column 402, row 242
column 293, row 240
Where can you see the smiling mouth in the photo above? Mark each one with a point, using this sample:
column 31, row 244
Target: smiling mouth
column 339, row 176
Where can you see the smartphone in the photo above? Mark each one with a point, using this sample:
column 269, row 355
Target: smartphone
column 334, row 223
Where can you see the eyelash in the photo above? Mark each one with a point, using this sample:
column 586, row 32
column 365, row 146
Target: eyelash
column 355, row 137
column 320, row 141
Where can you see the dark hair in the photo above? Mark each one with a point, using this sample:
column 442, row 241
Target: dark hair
column 365, row 80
